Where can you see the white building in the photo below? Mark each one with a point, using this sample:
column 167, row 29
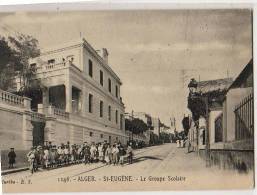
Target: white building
column 81, row 97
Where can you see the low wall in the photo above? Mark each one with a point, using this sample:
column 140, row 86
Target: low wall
column 240, row 160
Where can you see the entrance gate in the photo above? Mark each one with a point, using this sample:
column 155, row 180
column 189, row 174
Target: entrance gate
column 38, row 123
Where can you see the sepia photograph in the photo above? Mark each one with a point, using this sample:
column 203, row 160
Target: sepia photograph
column 126, row 100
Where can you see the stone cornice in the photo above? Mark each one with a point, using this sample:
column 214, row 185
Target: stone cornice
column 90, row 49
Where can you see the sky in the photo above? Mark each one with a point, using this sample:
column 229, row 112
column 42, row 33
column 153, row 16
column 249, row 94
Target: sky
column 154, row 52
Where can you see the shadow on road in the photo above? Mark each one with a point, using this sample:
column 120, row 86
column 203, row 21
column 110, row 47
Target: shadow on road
column 143, row 158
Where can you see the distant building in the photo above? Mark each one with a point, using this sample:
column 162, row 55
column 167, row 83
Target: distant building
column 146, row 118
column 156, row 126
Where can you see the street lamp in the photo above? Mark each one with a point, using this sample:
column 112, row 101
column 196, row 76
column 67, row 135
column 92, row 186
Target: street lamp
column 192, row 94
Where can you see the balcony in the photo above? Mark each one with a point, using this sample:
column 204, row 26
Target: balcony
column 57, row 112
column 14, row 100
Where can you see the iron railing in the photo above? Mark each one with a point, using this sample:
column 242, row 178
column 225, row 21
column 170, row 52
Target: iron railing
column 244, row 118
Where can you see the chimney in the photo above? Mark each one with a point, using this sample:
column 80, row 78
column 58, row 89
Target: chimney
column 104, row 54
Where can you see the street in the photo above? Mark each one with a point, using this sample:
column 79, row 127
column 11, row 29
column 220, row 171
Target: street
column 152, row 167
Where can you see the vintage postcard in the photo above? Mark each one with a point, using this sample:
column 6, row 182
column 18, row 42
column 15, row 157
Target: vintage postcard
column 125, row 100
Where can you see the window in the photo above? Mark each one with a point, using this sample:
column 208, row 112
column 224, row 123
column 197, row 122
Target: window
column 91, row 134
column 121, row 121
column 116, row 116
column 101, row 78
column 90, row 103
column 101, row 135
column 90, row 68
column 109, row 113
column 110, row 85
column 51, row 61
column 101, row 108
column 116, row 91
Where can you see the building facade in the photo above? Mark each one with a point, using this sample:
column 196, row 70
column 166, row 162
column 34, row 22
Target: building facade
column 227, row 130
column 81, row 98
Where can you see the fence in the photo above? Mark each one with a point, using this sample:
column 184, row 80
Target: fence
column 244, row 118
column 11, row 99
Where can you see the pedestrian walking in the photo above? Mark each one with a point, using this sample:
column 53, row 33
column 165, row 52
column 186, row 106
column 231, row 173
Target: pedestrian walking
column 178, row 143
column 11, row 156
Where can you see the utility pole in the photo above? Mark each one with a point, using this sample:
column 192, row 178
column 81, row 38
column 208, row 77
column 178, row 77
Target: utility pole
column 175, row 123
column 207, row 133
column 132, row 115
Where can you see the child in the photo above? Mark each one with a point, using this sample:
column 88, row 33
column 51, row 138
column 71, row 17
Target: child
column 130, row 154
column 11, row 156
column 100, row 152
column 122, row 154
column 115, row 152
column 108, row 154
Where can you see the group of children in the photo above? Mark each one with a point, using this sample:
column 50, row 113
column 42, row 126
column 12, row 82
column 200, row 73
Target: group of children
column 51, row 156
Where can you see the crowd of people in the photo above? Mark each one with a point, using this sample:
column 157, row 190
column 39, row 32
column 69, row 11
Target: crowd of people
column 52, row 156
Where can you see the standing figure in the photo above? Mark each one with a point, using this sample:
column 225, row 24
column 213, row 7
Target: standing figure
column 31, row 160
column 130, row 154
column 46, row 157
column 60, row 155
column 122, row 154
column 66, row 155
column 104, row 148
column 115, row 152
column 93, row 152
column 100, row 152
column 108, row 154
column 178, row 143
column 11, row 156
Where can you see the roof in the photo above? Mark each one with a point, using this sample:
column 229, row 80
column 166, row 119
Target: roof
column 213, row 85
column 85, row 44
column 243, row 75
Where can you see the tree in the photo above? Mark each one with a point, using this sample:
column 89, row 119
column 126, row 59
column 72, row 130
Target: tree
column 186, row 124
column 14, row 56
column 136, row 125
column 9, row 63
column 165, row 137
column 26, row 47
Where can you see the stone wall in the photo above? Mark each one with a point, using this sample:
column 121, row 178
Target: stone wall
column 11, row 129
column 242, row 161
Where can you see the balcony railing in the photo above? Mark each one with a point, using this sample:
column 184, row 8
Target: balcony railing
column 55, row 65
column 57, row 112
column 244, row 119
column 14, row 100
column 35, row 116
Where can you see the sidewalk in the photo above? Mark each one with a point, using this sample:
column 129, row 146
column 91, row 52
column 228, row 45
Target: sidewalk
column 20, row 169
column 15, row 170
